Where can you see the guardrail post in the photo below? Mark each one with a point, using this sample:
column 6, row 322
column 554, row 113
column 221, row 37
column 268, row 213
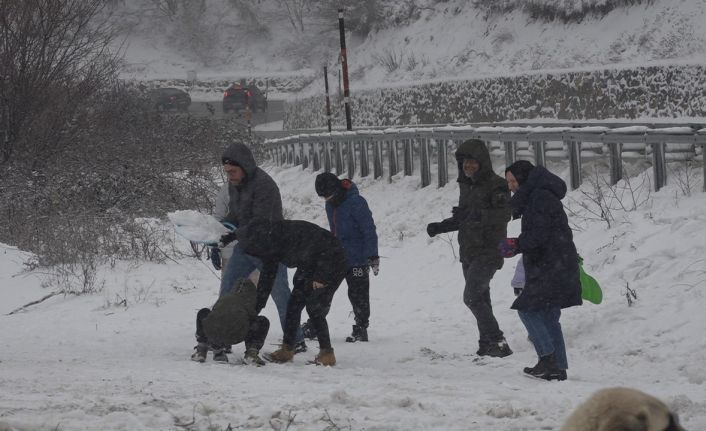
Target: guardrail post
column 377, row 159
column 302, row 156
column 424, row 161
column 615, row 161
column 408, row 157
column 338, row 148
column 510, row 152
column 316, row 161
column 659, row 164
column 327, row 156
column 442, row 161
column 290, row 154
column 393, row 158
column 350, row 157
column 574, row 149
column 539, row 153
column 364, row 161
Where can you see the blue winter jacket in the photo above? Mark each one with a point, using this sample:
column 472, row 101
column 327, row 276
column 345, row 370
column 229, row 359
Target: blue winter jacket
column 352, row 223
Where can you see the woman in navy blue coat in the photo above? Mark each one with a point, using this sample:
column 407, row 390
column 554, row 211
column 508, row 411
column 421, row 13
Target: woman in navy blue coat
column 550, row 260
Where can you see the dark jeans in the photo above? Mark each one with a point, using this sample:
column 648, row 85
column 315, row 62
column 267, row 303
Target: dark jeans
column 476, row 296
column 257, row 332
column 317, row 303
column 359, row 294
column 545, row 332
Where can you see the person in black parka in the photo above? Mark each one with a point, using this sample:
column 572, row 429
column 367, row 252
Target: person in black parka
column 550, row 261
column 321, row 266
column 481, row 219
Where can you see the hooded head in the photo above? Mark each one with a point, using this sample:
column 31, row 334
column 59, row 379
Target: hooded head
column 238, row 155
column 260, row 237
column 474, row 154
column 327, row 184
column 520, row 171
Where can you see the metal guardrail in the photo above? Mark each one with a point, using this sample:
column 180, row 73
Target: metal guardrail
column 351, row 150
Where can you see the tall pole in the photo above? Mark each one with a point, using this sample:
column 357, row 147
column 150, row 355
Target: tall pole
column 344, row 64
column 328, row 100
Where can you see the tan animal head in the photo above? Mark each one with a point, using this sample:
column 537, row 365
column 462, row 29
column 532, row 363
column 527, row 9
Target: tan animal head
column 622, row 409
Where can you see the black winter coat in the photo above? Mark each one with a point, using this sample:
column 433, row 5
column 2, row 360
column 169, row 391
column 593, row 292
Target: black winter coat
column 311, row 249
column 546, row 244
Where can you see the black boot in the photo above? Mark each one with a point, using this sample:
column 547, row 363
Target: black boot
column 498, row 349
column 360, row 333
column 546, row 369
column 309, row 330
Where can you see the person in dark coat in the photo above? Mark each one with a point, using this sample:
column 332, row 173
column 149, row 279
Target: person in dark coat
column 351, row 221
column 550, row 260
column 481, row 219
column 252, row 193
column 321, row 267
column 232, row 320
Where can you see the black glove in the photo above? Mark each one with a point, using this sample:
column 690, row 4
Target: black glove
column 215, row 258
column 433, row 229
column 227, row 239
column 374, row 263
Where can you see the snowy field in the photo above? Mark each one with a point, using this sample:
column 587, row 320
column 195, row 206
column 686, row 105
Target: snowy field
column 119, row 359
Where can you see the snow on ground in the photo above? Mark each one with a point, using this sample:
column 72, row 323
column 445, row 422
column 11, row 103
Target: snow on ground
column 119, row 359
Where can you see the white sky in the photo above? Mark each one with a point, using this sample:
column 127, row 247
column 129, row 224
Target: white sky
column 84, row 363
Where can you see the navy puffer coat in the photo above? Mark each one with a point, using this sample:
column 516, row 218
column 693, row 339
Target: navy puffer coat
column 546, row 243
column 351, row 221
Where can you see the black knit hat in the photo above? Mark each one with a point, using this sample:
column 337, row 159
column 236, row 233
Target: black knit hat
column 520, row 170
column 327, row 184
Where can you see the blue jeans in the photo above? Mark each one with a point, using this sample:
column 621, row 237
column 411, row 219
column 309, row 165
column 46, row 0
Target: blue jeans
column 544, row 330
column 240, row 265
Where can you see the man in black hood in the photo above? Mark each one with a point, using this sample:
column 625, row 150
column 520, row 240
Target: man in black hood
column 481, row 219
column 253, row 194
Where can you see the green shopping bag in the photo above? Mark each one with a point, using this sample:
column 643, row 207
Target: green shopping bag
column 590, row 289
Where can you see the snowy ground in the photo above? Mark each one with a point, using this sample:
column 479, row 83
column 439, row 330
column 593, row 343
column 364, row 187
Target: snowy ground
column 90, row 362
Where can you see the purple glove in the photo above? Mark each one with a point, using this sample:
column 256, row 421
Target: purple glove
column 508, row 247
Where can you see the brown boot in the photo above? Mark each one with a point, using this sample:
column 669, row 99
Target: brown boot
column 325, row 358
column 284, row 354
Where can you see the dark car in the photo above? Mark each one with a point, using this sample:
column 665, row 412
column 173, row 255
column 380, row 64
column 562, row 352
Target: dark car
column 167, row 99
column 238, row 97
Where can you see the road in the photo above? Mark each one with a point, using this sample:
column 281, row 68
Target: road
column 275, row 111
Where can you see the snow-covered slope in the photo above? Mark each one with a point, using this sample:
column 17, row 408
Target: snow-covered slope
column 439, row 40
column 119, row 360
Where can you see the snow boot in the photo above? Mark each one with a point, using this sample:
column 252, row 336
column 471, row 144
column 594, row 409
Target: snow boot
column 219, row 355
column 498, row 349
column 252, row 357
column 309, row 330
column 200, row 351
column 360, row 333
column 284, row 354
column 325, row 358
column 546, row 369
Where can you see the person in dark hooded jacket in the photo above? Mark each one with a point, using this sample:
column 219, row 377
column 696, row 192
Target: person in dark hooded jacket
column 252, row 194
column 351, row 221
column 321, row 267
column 232, row 320
column 550, row 261
column 481, row 219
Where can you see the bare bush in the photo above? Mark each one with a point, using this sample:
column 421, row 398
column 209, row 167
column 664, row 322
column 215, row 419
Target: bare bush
column 390, row 59
column 604, row 201
column 55, row 57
